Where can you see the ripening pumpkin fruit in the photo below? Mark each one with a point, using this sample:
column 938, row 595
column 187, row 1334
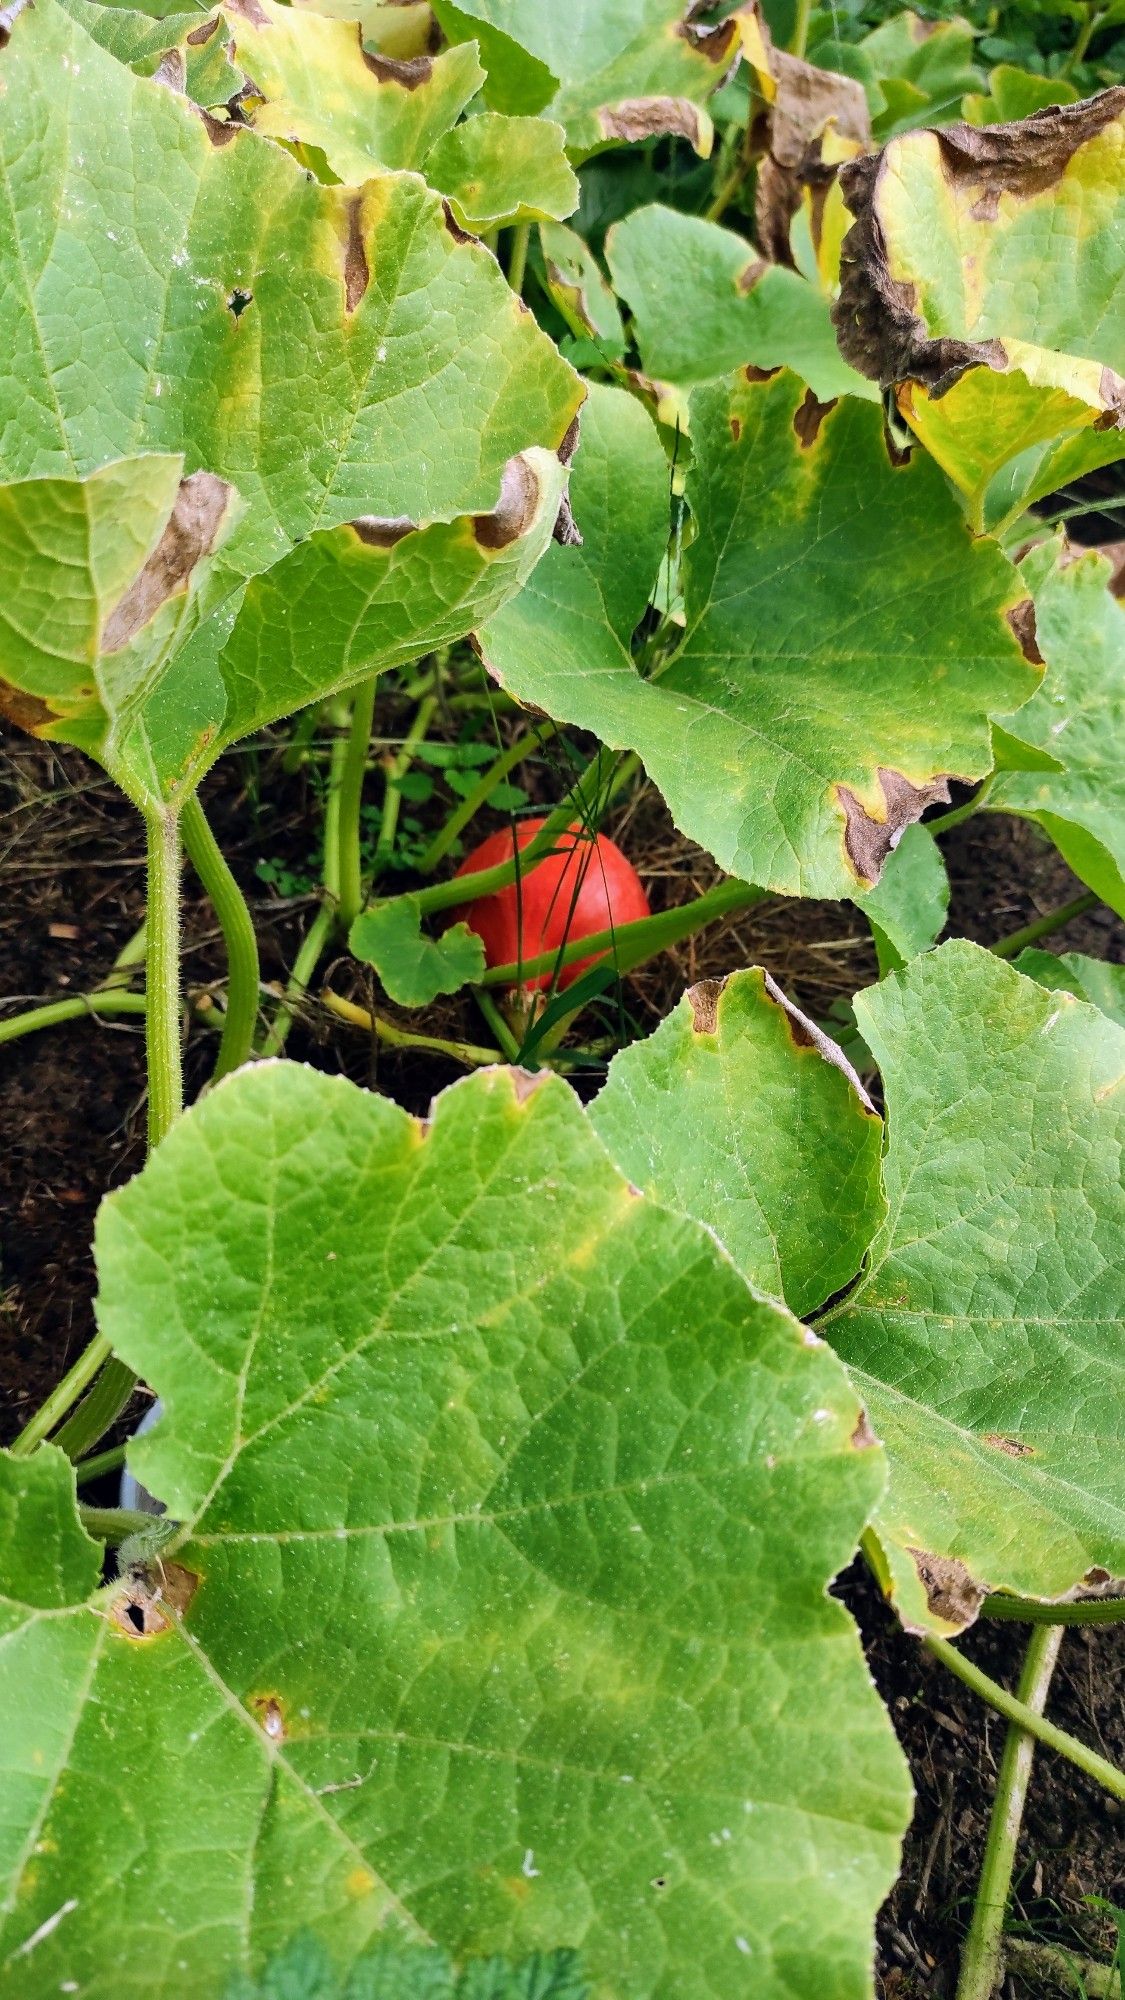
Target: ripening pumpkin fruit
column 587, row 886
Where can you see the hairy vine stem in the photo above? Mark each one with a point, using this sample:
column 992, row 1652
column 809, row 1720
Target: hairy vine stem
column 982, row 1957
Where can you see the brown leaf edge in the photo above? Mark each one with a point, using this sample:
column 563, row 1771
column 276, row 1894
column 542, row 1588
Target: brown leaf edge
column 878, row 329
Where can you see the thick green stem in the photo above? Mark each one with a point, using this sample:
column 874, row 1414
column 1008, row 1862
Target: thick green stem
column 482, row 791
column 350, row 799
column 103, row 1461
column 960, row 813
column 517, row 262
column 1083, row 1611
column 1010, row 947
column 396, row 771
column 237, row 926
column 981, row 1962
column 499, row 1025
column 469, row 1053
column 114, row 1524
column 63, row 1396
column 99, row 1411
column 632, row 943
column 106, row 1003
column 162, row 975
column 1099, row 1768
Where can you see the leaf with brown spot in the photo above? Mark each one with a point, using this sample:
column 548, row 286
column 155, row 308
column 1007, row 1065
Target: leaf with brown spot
column 489, row 1469
column 141, row 624
column 987, row 1333
column 1016, row 389
column 1077, row 720
column 846, row 641
column 608, row 74
column 813, row 119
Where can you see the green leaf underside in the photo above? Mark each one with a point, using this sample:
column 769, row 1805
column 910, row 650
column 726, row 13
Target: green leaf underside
column 909, row 904
column 498, row 170
column 703, row 305
column 986, row 1335
column 414, row 968
column 245, row 284
column 592, row 66
column 730, row 1112
column 1078, row 716
column 810, row 665
column 1088, row 979
column 513, row 1509
column 1009, row 247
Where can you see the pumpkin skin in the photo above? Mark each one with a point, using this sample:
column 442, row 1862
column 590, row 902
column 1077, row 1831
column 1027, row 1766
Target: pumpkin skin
column 585, row 887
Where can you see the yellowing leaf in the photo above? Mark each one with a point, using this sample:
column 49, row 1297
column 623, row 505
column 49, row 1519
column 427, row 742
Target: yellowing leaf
column 982, row 279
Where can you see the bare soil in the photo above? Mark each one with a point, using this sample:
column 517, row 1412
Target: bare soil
column 72, row 1111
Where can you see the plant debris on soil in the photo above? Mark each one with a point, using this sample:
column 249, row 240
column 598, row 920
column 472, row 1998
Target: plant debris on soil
column 73, row 1109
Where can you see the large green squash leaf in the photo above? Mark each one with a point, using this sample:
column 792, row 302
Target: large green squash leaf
column 740, row 1111
column 349, row 384
column 630, row 71
column 1078, row 716
column 983, row 280
column 703, row 304
column 497, row 1612
column 846, row 640
column 986, row 1334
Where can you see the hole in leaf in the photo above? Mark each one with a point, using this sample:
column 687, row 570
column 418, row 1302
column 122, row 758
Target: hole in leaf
column 239, row 300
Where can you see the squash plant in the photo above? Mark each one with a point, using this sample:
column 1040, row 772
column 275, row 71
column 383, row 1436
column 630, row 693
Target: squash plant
column 506, row 1456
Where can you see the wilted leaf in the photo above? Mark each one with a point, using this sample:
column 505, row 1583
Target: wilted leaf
column 497, row 170
column 704, row 304
column 846, row 641
column 996, row 374
column 986, row 1336
column 576, row 283
column 1078, row 716
column 1088, row 979
column 498, row 1608
column 909, row 904
column 739, row 1110
column 813, row 120
column 414, row 968
column 633, row 71
column 403, row 402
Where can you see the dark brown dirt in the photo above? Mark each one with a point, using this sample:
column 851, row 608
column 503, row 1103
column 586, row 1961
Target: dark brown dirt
column 72, row 1110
